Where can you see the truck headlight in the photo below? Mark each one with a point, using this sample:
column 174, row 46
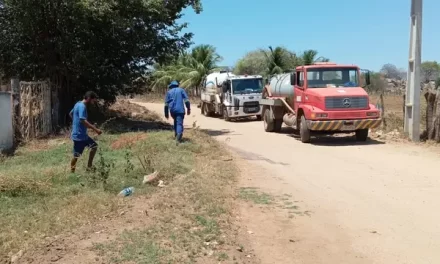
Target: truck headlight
column 319, row 115
column 372, row 114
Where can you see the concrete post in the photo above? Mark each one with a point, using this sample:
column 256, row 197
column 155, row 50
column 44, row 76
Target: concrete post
column 412, row 101
column 15, row 89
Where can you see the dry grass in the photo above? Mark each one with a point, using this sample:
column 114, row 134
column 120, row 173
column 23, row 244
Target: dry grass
column 20, row 184
column 128, row 140
column 394, row 116
column 40, row 198
column 193, row 212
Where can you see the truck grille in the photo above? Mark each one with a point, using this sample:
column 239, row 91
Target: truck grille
column 346, row 102
column 349, row 115
column 236, row 103
column 251, row 107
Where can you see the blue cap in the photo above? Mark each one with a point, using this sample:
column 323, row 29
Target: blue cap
column 173, row 84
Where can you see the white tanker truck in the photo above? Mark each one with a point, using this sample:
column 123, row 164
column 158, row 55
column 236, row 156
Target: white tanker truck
column 231, row 96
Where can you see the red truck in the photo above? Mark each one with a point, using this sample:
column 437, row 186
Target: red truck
column 320, row 98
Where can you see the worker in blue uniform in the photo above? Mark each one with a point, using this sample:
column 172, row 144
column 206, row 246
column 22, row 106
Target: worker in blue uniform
column 175, row 102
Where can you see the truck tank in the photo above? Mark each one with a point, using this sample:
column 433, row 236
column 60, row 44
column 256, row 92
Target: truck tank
column 280, row 85
column 214, row 79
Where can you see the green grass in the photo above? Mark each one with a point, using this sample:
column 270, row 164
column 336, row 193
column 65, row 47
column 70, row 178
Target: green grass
column 253, row 195
column 222, row 256
column 192, row 213
column 135, row 246
column 209, row 230
column 39, row 196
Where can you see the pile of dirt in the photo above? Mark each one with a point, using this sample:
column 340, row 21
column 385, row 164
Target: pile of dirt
column 124, row 108
column 124, row 116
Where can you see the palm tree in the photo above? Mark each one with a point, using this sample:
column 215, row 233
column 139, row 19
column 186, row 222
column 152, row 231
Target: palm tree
column 279, row 60
column 308, row 57
column 190, row 68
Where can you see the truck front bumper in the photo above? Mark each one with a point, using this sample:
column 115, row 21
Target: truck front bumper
column 237, row 113
column 343, row 125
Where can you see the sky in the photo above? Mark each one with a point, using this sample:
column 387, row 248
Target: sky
column 366, row 33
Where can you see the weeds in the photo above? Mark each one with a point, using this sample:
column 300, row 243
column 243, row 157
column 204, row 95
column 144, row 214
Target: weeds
column 251, row 194
column 223, row 256
column 394, row 115
column 23, row 185
column 129, row 167
column 102, row 173
column 146, row 163
column 210, row 226
column 136, row 246
column 195, row 207
column 192, row 213
column 2, row 158
column 39, row 195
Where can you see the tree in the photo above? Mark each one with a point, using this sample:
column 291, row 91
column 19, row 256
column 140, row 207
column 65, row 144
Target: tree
column 432, row 97
column 190, row 68
column 403, row 74
column 84, row 45
column 267, row 61
column 279, row 60
column 377, row 83
column 430, row 70
column 308, row 57
column 392, row 72
column 253, row 63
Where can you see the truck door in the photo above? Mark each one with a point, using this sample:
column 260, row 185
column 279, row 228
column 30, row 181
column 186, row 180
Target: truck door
column 299, row 90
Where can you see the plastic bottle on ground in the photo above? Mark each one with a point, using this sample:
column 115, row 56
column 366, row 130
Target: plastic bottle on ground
column 127, row 192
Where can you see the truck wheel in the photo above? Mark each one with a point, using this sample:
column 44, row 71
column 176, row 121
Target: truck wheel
column 225, row 114
column 278, row 123
column 202, row 109
column 268, row 121
column 259, row 117
column 304, row 132
column 362, row 135
column 206, row 109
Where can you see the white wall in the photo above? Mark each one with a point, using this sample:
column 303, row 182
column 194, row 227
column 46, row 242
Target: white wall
column 6, row 129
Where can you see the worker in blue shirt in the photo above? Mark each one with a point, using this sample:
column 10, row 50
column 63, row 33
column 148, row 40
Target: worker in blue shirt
column 80, row 138
column 175, row 102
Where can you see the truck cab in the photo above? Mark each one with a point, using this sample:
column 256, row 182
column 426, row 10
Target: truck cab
column 324, row 97
column 232, row 96
column 242, row 94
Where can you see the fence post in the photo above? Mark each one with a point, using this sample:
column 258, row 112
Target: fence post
column 55, row 105
column 15, row 89
column 382, row 111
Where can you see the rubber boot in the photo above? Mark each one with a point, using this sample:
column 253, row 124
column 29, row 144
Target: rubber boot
column 178, row 139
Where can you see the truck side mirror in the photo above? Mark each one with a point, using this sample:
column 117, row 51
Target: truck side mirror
column 293, row 78
column 225, row 88
column 367, row 78
column 226, row 85
column 216, row 83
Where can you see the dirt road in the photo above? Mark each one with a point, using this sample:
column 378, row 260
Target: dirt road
column 353, row 203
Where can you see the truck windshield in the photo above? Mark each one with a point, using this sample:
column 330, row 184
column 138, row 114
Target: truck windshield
column 332, row 77
column 245, row 86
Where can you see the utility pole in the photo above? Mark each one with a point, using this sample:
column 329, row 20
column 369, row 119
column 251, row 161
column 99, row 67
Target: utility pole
column 412, row 98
